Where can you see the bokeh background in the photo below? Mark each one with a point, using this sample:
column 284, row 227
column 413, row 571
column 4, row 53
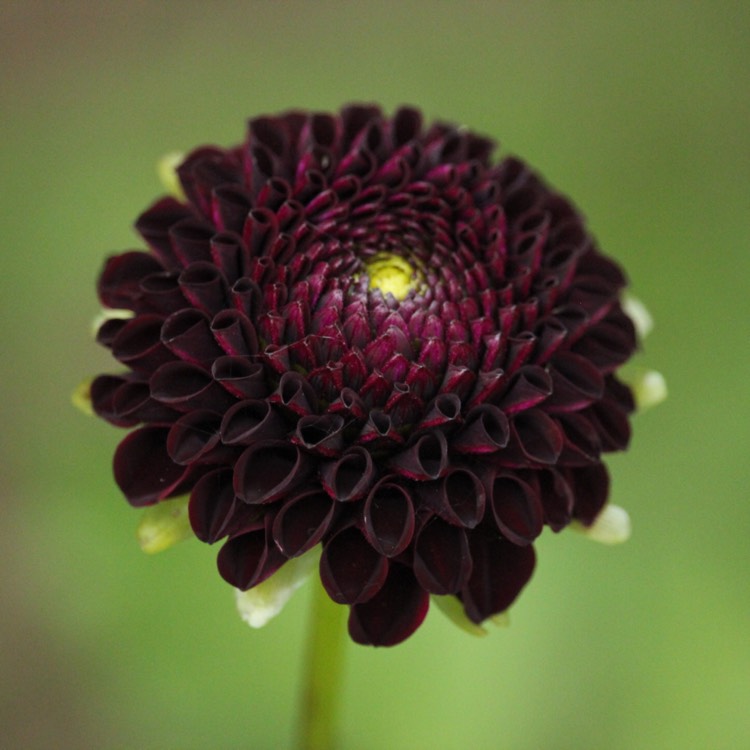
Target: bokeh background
column 641, row 112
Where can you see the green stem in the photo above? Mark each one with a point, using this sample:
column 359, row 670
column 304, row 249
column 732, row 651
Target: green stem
column 324, row 670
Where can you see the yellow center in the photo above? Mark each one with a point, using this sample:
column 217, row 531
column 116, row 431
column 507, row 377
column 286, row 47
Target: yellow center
column 391, row 274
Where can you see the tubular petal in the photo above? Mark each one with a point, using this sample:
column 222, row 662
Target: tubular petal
column 388, row 518
column 393, row 614
column 500, row 570
column 350, row 569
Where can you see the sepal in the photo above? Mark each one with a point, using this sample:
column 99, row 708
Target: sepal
column 263, row 602
column 164, row 524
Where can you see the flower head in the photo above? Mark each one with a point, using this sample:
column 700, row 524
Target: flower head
column 360, row 332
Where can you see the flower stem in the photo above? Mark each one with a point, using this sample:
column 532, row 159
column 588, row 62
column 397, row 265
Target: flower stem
column 324, row 670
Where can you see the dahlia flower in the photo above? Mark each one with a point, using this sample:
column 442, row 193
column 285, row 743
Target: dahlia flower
column 361, row 335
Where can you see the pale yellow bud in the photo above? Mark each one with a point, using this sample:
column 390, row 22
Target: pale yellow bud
column 164, row 524
column 611, row 526
column 81, row 397
column 649, row 388
column 639, row 314
column 167, row 169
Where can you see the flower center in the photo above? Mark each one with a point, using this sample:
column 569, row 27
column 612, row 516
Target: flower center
column 391, row 274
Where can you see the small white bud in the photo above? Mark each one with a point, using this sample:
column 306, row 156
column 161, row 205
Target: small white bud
column 649, row 389
column 611, row 526
column 639, row 314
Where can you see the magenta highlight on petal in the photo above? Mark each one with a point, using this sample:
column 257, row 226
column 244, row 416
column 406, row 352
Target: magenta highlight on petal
column 363, row 332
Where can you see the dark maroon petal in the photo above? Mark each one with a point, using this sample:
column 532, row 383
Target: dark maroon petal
column 582, row 444
column 443, row 411
column 425, row 459
column 193, row 436
column 234, row 333
column 611, row 423
column 620, row 393
column 442, row 563
column 488, row 387
column 322, row 435
column 246, row 297
column 214, row 509
column 486, row 430
column 119, row 283
column 500, row 570
column 204, row 285
column 250, row 422
column 190, row 240
column 161, row 294
column 138, row 344
column 550, row 335
column 557, row 499
column 589, row 486
column 576, row 383
column 154, row 224
column 211, row 503
column 379, row 431
column 248, row 559
column 302, row 521
column 350, row 477
column 294, row 394
column 187, row 335
column 108, row 330
column 388, row 517
column 539, row 437
column 184, row 387
column 350, row 569
column 529, row 387
column 143, row 469
column 102, row 391
column 517, row 509
column 230, row 206
column 458, row 498
column 132, row 403
column 519, row 351
column 349, row 405
column 393, row 614
column 270, row 470
column 240, row 376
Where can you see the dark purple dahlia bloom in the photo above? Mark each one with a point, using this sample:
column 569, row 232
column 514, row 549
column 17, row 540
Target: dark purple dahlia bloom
column 357, row 331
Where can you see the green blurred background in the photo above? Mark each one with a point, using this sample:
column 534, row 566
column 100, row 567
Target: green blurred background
column 641, row 112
